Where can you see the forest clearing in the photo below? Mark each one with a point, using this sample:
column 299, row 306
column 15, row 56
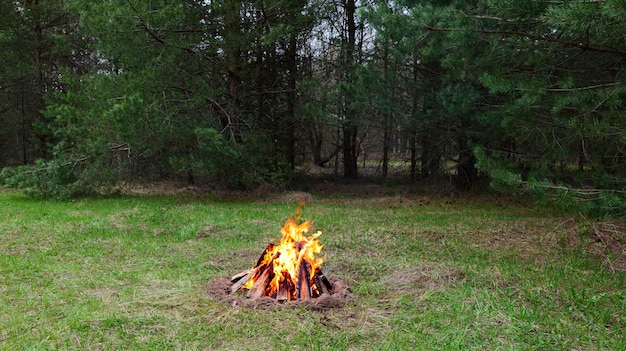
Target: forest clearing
column 133, row 272
column 462, row 165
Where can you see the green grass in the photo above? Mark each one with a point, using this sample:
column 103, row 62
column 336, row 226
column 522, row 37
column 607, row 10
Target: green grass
column 129, row 273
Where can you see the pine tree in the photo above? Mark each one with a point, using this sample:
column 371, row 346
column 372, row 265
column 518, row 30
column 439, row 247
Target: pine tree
column 560, row 96
column 36, row 43
column 175, row 89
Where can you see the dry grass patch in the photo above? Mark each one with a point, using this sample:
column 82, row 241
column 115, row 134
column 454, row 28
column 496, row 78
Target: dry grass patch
column 604, row 239
column 422, row 276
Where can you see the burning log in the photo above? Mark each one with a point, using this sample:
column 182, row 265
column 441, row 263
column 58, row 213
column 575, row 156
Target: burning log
column 284, row 292
column 303, row 290
column 324, row 280
column 289, row 270
column 258, row 281
column 257, row 290
column 241, row 278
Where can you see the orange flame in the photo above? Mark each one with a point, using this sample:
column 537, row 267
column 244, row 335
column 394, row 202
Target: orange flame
column 294, row 249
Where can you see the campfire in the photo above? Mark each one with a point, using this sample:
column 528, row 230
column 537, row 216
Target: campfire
column 289, row 270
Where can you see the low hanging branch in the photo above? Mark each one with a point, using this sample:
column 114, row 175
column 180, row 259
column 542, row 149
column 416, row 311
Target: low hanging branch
column 590, row 87
column 76, row 161
column 572, row 44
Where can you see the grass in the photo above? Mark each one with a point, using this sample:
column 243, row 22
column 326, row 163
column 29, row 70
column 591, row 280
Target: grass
column 129, row 273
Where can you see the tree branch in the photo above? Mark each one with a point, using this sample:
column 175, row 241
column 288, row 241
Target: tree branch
column 572, row 44
column 590, row 87
column 143, row 25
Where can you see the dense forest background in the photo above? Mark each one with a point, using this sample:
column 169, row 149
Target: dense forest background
column 239, row 93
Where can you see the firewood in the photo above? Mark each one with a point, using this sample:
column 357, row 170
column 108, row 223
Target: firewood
column 242, row 274
column 239, row 282
column 284, row 292
column 320, row 289
column 235, row 278
column 304, row 283
column 324, row 280
column 260, row 284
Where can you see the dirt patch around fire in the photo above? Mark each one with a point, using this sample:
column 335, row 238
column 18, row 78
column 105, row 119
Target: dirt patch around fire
column 219, row 290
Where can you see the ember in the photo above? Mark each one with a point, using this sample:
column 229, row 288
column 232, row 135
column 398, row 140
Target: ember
column 289, row 270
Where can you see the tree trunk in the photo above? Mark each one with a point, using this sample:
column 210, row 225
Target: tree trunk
column 386, row 120
column 292, row 65
column 386, row 145
column 466, row 172
column 430, row 135
column 413, row 145
column 38, row 102
column 315, row 139
column 414, row 112
column 350, row 168
column 425, row 159
column 349, row 128
column 233, row 56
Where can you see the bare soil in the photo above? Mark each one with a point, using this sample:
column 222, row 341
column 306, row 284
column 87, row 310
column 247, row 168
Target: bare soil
column 219, row 290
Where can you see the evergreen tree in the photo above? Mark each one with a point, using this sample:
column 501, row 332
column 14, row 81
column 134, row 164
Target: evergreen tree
column 38, row 42
column 437, row 86
column 193, row 88
column 532, row 92
column 561, row 101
